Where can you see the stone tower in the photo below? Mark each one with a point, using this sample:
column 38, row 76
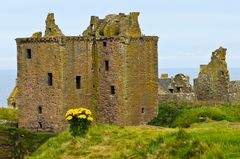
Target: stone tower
column 111, row 69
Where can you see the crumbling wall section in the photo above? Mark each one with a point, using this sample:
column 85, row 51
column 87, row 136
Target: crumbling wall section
column 114, row 25
column 234, row 92
column 176, row 97
column 212, row 83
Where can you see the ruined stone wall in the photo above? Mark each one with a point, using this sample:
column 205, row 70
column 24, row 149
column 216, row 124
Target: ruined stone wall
column 234, row 92
column 176, row 97
column 34, row 91
column 213, row 80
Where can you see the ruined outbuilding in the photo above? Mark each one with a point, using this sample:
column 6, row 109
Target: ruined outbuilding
column 212, row 83
column 111, row 69
column 175, row 89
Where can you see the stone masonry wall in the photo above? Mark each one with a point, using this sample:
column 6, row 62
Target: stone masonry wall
column 140, row 80
column 234, row 92
column 213, row 80
column 176, row 97
column 77, row 61
column 34, row 91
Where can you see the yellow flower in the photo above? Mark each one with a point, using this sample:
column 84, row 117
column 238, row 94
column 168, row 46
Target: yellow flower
column 82, row 116
column 69, row 112
column 80, row 110
column 90, row 118
column 69, row 118
column 88, row 112
column 75, row 112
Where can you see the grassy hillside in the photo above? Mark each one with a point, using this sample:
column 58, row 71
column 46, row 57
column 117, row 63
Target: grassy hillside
column 205, row 140
column 207, row 132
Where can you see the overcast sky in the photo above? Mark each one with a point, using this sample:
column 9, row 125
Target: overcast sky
column 189, row 30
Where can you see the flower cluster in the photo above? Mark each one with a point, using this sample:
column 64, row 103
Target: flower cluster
column 80, row 113
column 79, row 120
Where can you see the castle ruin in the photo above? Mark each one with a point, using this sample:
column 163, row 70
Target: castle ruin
column 177, row 88
column 213, row 83
column 213, row 80
column 111, row 69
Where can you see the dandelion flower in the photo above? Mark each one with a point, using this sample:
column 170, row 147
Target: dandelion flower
column 90, row 118
column 82, row 116
column 69, row 118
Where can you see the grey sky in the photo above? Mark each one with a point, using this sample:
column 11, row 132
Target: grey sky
column 189, row 30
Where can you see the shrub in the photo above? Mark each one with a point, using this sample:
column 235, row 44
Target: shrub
column 8, row 114
column 79, row 120
column 184, row 114
column 167, row 113
column 197, row 115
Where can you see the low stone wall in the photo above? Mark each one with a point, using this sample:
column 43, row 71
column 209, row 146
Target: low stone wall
column 176, row 97
column 234, row 92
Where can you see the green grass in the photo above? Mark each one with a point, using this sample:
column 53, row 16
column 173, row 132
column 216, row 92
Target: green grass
column 183, row 115
column 8, row 114
column 213, row 140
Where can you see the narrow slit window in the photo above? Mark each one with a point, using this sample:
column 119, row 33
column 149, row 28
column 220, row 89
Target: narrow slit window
column 29, row 53
column 92, row 27
column 179, row 89
column 105, row 44
column 142, row 110
column 171, row 90
column 107, row 65
column 40, row 110
column 50, row 79
column 78, row 82
column 112, row 90
column 14, row 105
column 40, row 125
